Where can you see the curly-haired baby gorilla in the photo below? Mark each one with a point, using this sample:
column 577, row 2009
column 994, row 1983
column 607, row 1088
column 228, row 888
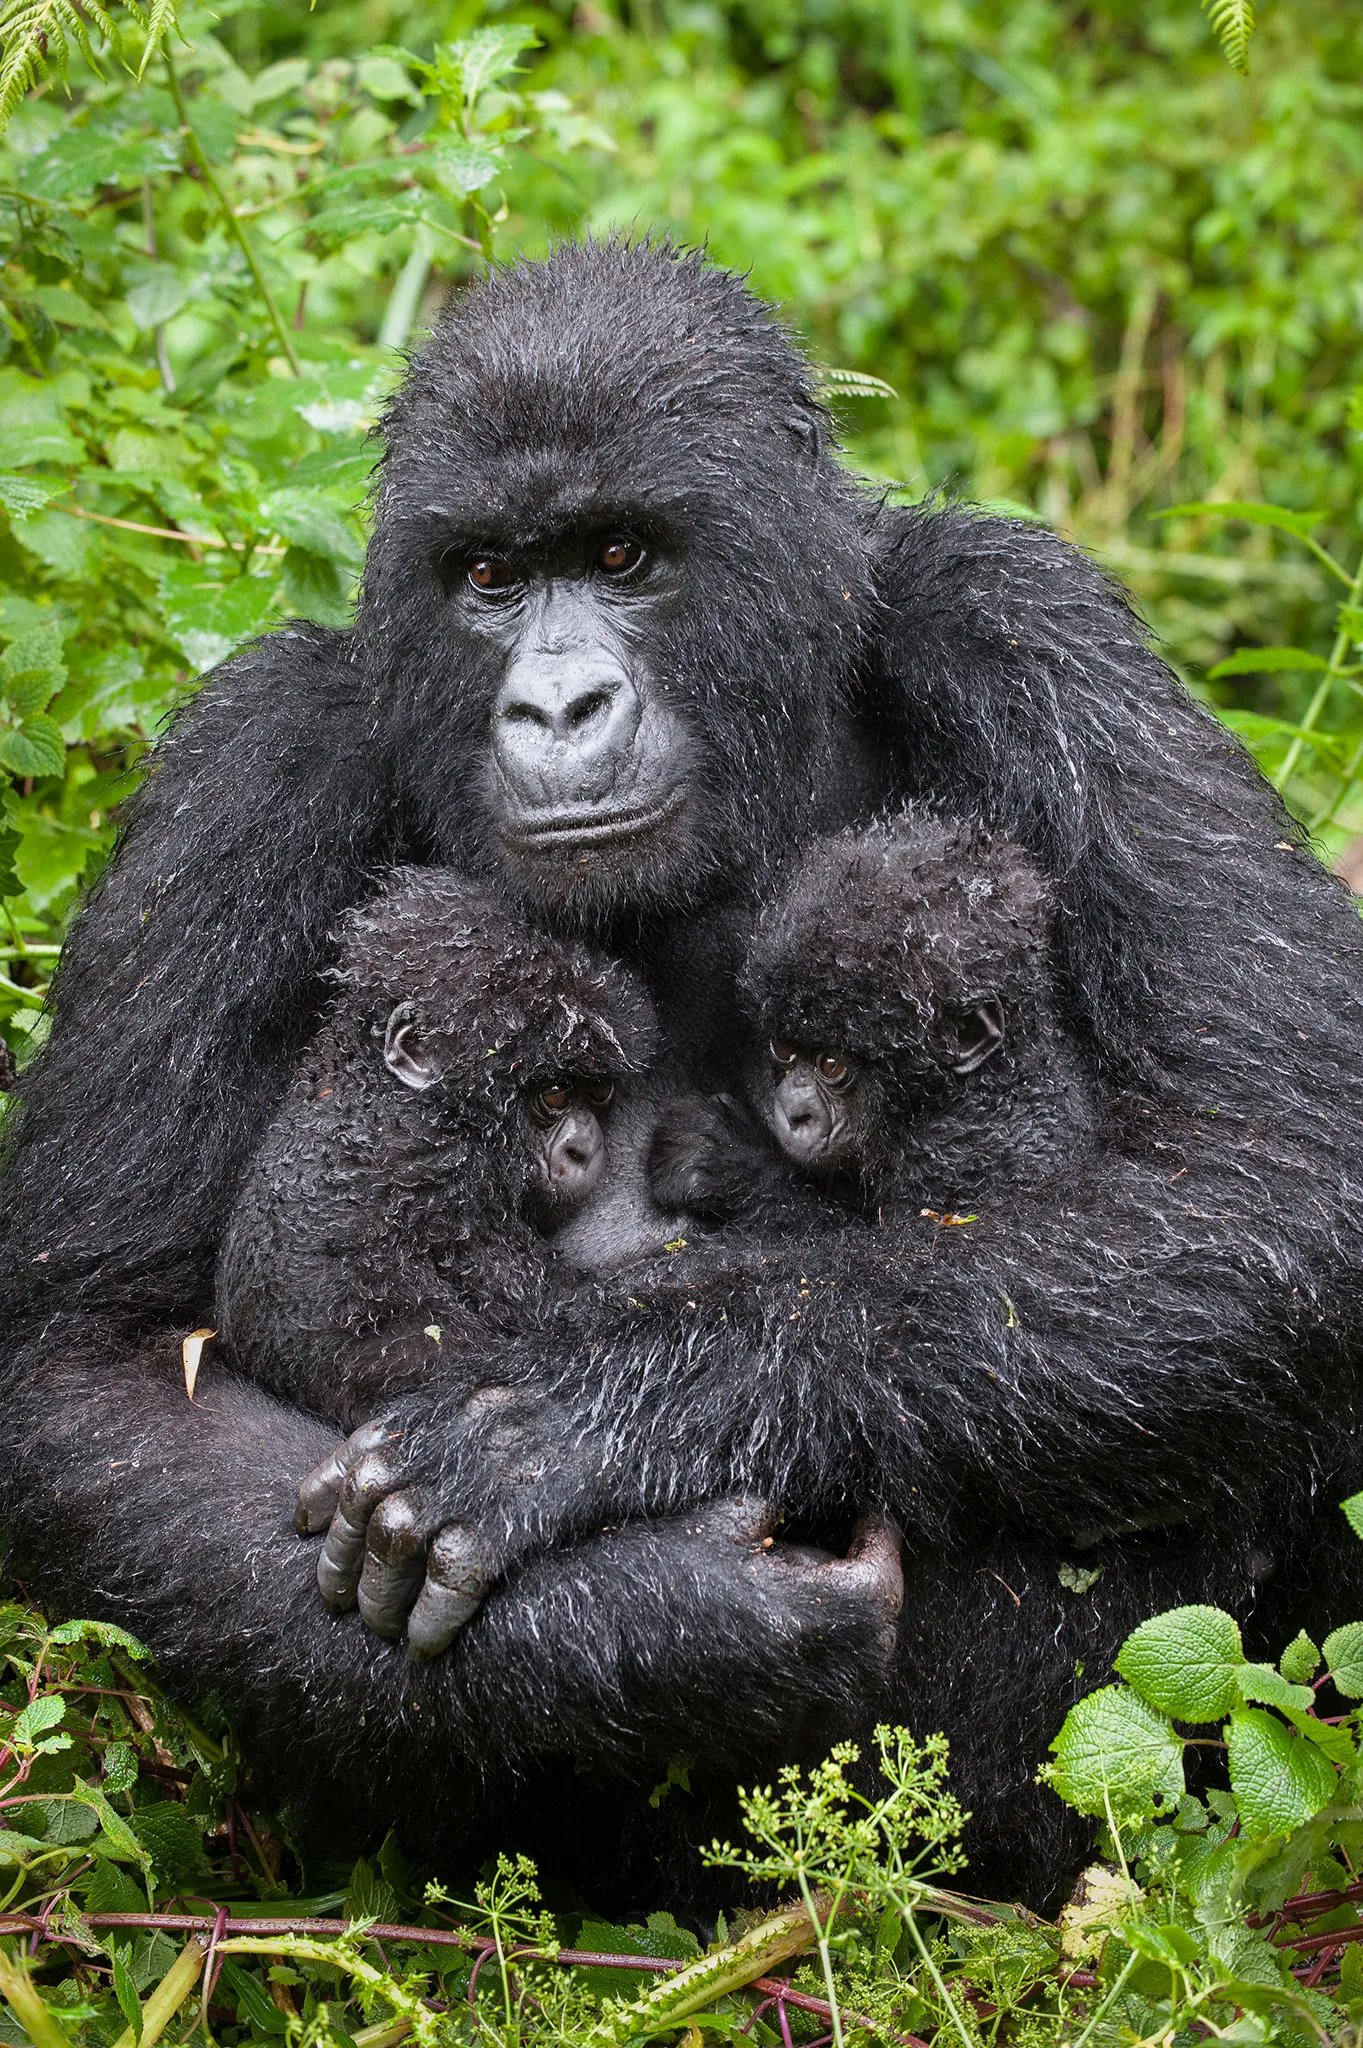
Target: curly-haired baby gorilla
column 445, row 1121
column 904, row 982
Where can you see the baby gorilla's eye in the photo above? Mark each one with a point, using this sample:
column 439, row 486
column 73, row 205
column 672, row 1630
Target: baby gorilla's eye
column 783, row 1054
column 598, row 1093
column 834, row 1070
column 554, row 1099
column 616, row 556
column 489, row 572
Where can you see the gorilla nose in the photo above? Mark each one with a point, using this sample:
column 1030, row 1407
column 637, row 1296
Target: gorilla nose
column 564, row 737
column 803, row 1125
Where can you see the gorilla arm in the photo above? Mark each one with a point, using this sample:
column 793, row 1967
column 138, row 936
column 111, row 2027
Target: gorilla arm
column 189, row 981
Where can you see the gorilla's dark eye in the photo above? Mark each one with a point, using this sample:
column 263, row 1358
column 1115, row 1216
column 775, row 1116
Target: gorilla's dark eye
column 554, row 1098
column 834, row 1070
column 783, row 1054
column 598, row 1093
column 616, row 557
column 489, row 572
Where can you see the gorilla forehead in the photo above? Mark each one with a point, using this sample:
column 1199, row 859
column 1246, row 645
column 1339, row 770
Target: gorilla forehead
column 553, row 384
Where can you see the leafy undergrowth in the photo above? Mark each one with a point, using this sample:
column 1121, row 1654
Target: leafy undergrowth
column 142, row 1900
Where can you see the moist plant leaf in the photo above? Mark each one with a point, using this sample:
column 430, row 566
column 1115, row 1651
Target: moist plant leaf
column 1300, row 1660
column 1262, row 1684
column 1116, row 1748
column 1185, row 1662
column 1279, row 1779
column 1352, row 1510
column 1343, row 1654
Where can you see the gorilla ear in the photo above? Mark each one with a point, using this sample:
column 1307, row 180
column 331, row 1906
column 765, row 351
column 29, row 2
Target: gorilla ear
column 809, row 434
column 402, row 1053
column 980, row 1036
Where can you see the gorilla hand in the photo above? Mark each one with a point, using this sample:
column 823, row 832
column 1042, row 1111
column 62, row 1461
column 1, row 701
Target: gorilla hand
column 380, row 1498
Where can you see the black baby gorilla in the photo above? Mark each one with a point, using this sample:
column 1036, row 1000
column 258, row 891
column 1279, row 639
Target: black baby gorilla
column 904, row 982
column 444, row 1122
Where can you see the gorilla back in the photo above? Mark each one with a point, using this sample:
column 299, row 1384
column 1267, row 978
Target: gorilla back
column 629, row 636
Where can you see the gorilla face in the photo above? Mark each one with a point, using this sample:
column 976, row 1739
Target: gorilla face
column 622, row 679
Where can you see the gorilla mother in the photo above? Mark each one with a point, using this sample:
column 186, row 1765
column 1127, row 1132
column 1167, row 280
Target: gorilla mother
column 630, row 635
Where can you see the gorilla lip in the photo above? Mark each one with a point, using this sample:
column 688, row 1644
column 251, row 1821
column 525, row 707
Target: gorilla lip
column 592, row 829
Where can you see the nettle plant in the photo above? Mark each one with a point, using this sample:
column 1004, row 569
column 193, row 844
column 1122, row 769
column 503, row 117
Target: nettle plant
column 1237, row 1904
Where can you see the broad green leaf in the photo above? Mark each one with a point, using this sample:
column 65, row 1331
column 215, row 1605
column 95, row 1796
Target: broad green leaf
column 17, row 1848
column 462, row 167
column 1343, row 1654
column 21, row 495
column 110, row 1889
column 1300, row 1660
column 1334, row 1742
column 106, row 1633
column 64, row 543
column 82, row 159
column 316, row 589
column 170, row 1837
column 1166, row 1944
column 159, row 296
column 311, row 521
column 32, row 669
column 1252, row 661
column 489, row 54
column 35, row 1720
column 35, row 748
column 1185, row 1662
column 1352, row 1509
column 1260, row 1682
column 1114, row 1747
column 1279, row 1779
column 277, row 79
column 65, row 1820
column 120, row 1767
column 41, row 441
column 387, row 79
column 1302, row 524
column 210, row 619
column 262, row 2014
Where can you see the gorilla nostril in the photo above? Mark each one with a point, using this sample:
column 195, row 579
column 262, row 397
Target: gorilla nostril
column 587, row 707
column 527, row 714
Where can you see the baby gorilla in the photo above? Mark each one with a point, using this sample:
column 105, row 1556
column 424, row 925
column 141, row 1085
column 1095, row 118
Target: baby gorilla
column 451, row 1113
column 903, row 980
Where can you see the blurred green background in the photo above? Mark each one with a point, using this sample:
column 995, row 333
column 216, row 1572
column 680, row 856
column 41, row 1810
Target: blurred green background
column 1104, row 275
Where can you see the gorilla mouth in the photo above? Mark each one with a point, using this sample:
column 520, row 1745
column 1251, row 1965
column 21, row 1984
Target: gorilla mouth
column 593, row 828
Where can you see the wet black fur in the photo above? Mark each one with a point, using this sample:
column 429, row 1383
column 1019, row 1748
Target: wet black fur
column 1172, row 1334
column 372, row 1212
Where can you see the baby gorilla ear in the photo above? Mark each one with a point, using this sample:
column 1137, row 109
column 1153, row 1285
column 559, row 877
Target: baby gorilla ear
column 979, row 1035
column 402, row 1052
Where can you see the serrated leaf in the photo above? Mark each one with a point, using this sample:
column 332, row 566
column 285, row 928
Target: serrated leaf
column 125, row 1991
column 1255, row 661
column 21, row 495
column 310, row 521
column 82, row 159
column 1278, row 1778
column 1302, row 524
column 1300, row 1660
column 119, row 1840
column 1352, row 1510
column 1184, row 1662
column 109, row 1889
column 830, row 383
column 1170, row 1943
column 1343, row 1654
column 106, row 1633
column 159, row 296
column 170, row 1838
column 1262, row 1683
column 210, row 619
column 16, row 1848
column 462, row 167
column 35, row 1720
column 120, row 1767
column 489, row 54
column 66, row 1820
column 1114, row 1747
column 36, row 748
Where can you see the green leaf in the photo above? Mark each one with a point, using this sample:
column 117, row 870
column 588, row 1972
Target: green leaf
column 1300, row 1660
column 1166, row 1944
column 82, row 159
column 1233, row 21
column 1115, row 1747
column 21, row 495
column 106, row 1633
column 1279, row 1779
column 830, row 383
column 1253, row 661
column 36, row 748
column 489, row 54
column 66, row 1820
column 1302, row 524
column 316, row 589
column 16, row 1848
column 170, row 1837
column 209, row 619
column 35, row 1720
column 1185, row 1662
column 109, row 1889
column 262, row 2014
column 1262, row 1683
column 463, row 167
column 386, row 78
column 120, row 1767
column 311, row 521
column 63, row 542
column 1343, row 1654
column 1352, row 1510
column 125, row 1991
column 32, row 670
column 159, row 296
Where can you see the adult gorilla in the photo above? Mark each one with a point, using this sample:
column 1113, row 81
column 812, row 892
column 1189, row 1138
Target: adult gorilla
column 628, row 636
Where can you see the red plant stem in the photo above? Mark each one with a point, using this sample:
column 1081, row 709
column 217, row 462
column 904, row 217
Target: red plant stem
column 1308, row 1944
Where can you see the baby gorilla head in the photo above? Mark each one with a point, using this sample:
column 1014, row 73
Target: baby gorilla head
column 516, row 1038
column 891, row 968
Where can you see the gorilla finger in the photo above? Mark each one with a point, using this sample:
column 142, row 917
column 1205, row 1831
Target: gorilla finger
column 321, row 1488
column 459, row 1572
column 342, row 1559
column 394, row 1562
column 873, row 1562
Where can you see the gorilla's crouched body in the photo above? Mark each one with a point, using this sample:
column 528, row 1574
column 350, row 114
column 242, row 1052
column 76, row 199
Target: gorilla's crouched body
column 629, row 638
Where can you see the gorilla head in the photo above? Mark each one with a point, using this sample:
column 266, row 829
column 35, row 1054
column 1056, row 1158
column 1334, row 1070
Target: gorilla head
column 618, row 577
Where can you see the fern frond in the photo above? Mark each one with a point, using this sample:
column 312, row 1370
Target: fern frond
column 36, row 38
column 1233, row 23
column 159, row 20
column 850, row 384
